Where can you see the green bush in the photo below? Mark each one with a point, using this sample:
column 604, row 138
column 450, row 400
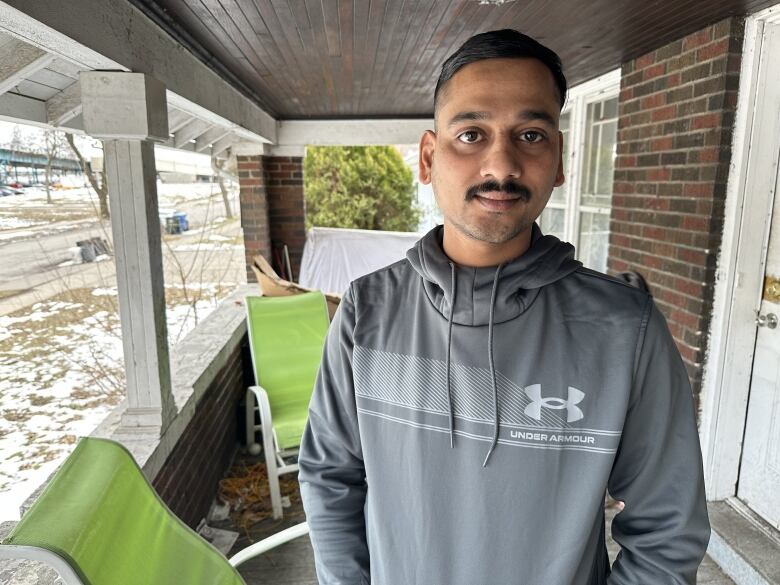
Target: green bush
column 363, row 187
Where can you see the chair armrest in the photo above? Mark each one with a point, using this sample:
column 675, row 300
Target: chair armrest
column 267, row 544
column 263, row 404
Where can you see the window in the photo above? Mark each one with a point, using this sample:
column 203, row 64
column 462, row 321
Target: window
column 579, row 209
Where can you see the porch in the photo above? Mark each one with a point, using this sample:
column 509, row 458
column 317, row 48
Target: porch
column 253, row 87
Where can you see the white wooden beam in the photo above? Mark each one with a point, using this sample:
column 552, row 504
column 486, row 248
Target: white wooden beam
column 19, row 60
column 20, row 109
column 177, row 120
column 189, row 132
column 64, row 106
column 75, row 125
column 130, row 168
column 124, row 105
column 351, row 132
column 111, row 34
column 205, row 140
column 298, row 150
column 132, row 191
column 220, row 146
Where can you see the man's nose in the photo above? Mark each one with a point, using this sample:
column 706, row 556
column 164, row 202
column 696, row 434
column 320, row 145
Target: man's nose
column 502, row 160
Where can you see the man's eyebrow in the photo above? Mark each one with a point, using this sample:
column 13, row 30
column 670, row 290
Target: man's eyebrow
column 529, row 115
column 463, row 116
column 524, row 115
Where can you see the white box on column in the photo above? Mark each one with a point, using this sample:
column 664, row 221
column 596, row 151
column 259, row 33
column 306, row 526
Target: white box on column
column 121, row 105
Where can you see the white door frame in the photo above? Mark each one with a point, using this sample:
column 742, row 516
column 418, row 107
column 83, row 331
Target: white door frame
column 741, row 263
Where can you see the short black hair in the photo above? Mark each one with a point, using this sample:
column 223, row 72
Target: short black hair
column 501, row 44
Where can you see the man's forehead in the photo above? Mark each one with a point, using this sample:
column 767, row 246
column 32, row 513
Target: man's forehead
column 489, row 80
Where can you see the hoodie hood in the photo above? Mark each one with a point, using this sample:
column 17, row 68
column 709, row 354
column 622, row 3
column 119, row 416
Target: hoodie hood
column 546, row 261
column 487, row 296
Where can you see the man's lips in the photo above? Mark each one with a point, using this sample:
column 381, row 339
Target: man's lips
column 498, row 196
column 496, row 201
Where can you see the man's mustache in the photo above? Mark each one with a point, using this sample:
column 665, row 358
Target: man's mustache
column 508, row 186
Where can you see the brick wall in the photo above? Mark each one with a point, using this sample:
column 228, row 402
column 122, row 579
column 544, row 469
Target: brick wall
column 676, row 114
column 188, row 480
column 286, row 208
column 254, row 210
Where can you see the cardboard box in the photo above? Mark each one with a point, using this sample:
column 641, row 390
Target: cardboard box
column 273, row 286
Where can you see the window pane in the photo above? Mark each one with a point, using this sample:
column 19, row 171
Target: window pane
column 594, row 240
column 551, row 222
column 610, row 109
column 599, row 153
column 559, row 193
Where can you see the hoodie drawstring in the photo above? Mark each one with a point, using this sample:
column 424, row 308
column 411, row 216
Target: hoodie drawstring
column 496, row 423
column 449, row 347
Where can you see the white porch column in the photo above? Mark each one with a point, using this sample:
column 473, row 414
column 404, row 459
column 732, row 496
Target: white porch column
column 128, row 112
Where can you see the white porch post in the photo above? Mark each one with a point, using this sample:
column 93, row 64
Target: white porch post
column 128, row 112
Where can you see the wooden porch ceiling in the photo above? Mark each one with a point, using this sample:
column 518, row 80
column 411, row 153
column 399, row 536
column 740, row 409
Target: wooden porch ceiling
column 304, row 59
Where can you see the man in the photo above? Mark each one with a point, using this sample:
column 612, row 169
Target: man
column 476, row 399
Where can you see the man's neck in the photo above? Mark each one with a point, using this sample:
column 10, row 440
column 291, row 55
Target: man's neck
column 466, row 251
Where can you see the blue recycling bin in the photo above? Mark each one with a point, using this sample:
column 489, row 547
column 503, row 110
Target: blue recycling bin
column 181, row 218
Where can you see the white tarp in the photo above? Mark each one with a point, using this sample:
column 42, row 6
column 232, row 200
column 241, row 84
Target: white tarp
column 334, row 257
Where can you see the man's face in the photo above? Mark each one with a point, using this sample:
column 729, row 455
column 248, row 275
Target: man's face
column 496, row 153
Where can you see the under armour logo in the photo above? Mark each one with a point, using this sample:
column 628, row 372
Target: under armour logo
column 534, row 410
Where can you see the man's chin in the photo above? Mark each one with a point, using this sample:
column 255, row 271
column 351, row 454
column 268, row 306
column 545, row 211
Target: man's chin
column 496, row 233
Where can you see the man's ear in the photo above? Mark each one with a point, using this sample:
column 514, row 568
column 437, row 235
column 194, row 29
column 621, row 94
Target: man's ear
column 427, row 146
column 559, row 177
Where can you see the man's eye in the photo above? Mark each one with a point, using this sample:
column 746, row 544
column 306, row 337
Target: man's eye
column 469, row 137
column 532, row 136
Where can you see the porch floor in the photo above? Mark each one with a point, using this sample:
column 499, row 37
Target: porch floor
column 293, row 563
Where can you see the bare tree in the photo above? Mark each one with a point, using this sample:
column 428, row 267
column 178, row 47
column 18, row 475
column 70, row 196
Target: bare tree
column 100, row 187
column 52, row 148
column 218, row 167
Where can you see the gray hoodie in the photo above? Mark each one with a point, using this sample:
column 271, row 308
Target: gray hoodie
column 466, row 423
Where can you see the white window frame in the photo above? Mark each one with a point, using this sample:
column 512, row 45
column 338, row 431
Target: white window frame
column 601, row 88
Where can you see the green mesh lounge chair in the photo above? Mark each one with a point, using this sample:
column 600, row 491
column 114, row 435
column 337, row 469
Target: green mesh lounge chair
column 286, row 336
column 100, row 522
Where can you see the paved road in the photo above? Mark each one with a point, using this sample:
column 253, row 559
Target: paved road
column 31, row 271
column 29, row 261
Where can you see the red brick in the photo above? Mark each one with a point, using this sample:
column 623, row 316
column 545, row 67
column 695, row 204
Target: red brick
column 713, row 50
column 661, row 144
column 653, row 101
column 697, row 190
column 697, row 257
column 654, row 71
column 706, row 121
column 659, row 174
column 709, row 155
column 644, row 61
column 672, row 80
column 697, row 39
column 655, row 233
column 688, row 287
column 665, row 113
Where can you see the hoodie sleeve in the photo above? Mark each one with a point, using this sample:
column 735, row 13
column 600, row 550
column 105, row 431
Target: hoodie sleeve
column 332, row 476
column 663, row 530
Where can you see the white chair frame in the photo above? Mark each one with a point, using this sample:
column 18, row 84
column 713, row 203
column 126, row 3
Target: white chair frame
column 257, row 401
column 68, row 576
